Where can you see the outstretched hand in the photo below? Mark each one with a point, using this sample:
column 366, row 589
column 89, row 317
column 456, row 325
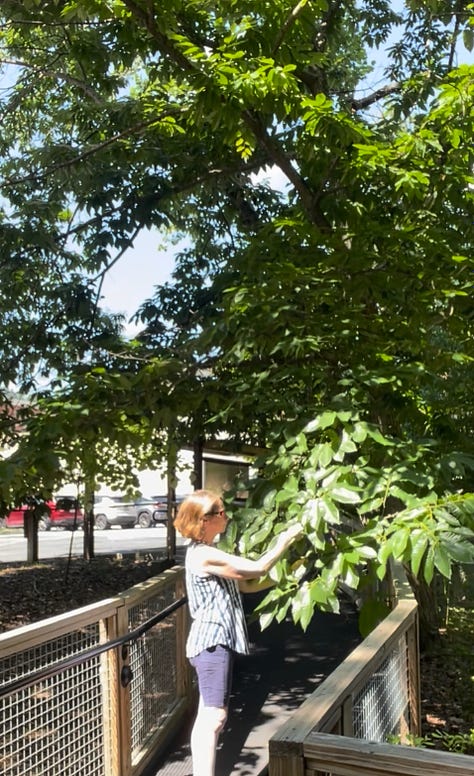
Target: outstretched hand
column 292, row 533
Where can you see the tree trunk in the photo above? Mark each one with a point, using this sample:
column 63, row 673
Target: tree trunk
column 88, row 527
column 432, row 607
column 30, row 528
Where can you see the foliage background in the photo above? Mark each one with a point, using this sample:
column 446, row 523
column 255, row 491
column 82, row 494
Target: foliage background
column 330, row 325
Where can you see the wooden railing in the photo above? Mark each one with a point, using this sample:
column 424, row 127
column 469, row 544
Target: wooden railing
column 331, row 708
column 340, row 729
column 70, row 703
column 341, row 756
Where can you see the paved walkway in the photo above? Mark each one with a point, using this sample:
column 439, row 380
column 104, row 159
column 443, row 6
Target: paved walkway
column 284, row 667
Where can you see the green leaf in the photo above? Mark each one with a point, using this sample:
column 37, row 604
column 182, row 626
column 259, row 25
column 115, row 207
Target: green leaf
column 359, row 432
column 301, row 443
column 345, row 494
column 288, row 492
column 428, row 566
column 325, row 420
column 381, row 571
column 320, row 510
column 399, row 541
column 283, row 610
column 276, row 573
column 326, row 455
column 366, row 552
column 269, row 500
column 385, row 551
column 442, row 561
column 371, row 505
column 378, row 437
column 347, row 444
column 318, row 591
column 459, row 551
column 265, row 620
column 468, row 38
column 302, row 606
column 350, row 576
column 408, row 498
column 419, row 543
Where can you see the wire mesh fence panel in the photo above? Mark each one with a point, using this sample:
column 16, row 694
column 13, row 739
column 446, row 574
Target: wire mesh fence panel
column 381, row 706
column 372, row 695
column 55, row 726
column 64, row 706
column 153, row 660
column 48, row 652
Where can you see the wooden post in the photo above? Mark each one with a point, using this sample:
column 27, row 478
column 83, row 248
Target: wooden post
column 125, row 734
column 183, row 668
column 286, row 761
column 413, row 670
column 347, row 717
column 110, row 680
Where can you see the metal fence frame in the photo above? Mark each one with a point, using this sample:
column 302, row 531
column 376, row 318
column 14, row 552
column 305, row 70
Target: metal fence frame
column 79, row 692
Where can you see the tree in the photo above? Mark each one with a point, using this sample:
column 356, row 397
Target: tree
column 348, row 293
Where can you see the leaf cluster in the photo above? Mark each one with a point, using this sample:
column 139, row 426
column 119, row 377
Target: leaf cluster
column 363, row 499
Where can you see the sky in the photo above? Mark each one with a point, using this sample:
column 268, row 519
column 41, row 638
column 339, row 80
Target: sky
column 133, row 278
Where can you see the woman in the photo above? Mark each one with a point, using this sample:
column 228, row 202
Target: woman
column 214, row 580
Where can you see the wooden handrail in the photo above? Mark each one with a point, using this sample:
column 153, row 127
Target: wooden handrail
column 350, row 675
column 343, row 756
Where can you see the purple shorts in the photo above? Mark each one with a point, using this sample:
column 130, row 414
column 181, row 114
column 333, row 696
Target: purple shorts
column 214, row 672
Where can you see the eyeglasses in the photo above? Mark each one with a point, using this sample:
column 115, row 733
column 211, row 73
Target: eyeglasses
column 219, row 512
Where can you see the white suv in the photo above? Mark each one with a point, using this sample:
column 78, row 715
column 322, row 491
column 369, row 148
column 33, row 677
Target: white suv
column 113, row 510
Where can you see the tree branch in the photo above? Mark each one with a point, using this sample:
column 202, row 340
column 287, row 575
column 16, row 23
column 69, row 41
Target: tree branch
column 384, row 91
column 62, row 76
column 454, row 38
column 290, row 19
column 166, row 46
column 89, row 151
column 281, row 160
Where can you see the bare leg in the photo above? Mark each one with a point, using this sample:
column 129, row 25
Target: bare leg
column 208, row 724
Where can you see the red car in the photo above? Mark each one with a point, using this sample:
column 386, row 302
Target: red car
column 63, row 512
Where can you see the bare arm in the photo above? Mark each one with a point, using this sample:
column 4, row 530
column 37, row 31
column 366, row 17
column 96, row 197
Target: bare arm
column 223, row 564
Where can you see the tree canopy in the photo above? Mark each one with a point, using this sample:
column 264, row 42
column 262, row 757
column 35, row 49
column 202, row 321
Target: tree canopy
column 328, row 321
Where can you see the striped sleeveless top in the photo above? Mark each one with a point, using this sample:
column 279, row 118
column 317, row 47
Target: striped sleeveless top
column 216, row 610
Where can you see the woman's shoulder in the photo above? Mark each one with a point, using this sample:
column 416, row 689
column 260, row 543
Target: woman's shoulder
column 198, row 553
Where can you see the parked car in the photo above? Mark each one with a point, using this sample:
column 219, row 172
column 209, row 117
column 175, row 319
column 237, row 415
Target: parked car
column 114, row 510
column 146, row 508
column 61, row 512
column 154, row 510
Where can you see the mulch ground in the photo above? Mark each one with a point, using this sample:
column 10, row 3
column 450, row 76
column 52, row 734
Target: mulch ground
column 32, row 593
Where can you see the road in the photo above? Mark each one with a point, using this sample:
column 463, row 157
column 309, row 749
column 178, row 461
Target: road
column 58, row 544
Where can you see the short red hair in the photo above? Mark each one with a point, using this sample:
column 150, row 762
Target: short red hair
column 192, row 511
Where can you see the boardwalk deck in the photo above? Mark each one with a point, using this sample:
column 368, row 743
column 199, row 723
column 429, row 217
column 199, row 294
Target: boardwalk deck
column 284, row 667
